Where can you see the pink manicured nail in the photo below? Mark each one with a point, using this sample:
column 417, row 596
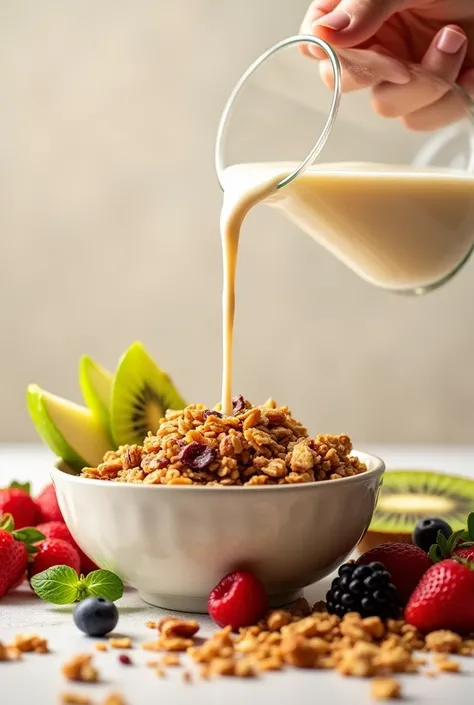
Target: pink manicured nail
column 450, row 41
column 334, row 20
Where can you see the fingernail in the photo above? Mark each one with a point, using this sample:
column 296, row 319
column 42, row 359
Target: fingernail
column 450, row 41
column 334, row 20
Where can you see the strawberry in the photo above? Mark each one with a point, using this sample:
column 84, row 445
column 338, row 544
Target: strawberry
column 48, row 505
column 59, row 530
column 443, row 598
column 53, row 552
column 405, row 563
column 15, row 500
column 460, row 544
column 15, row 549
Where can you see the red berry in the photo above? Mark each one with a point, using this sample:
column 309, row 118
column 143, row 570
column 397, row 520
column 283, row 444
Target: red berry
column 239, row 600
column 59, row 530
column 466, row 553
column 48, row 505
column 13, row 561
column 54, row 552
column 443, row 599
column 20, row 505
column 405, row 563
column 126, row 660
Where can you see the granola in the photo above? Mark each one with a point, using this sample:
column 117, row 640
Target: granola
column 80, row 668
column 259, row 445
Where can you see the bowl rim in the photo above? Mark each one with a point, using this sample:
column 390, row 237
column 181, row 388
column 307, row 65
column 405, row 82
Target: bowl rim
column 376, row 471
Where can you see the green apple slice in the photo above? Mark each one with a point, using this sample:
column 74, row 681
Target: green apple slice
column 70, row 430
column 141, row 394
column 96, row 387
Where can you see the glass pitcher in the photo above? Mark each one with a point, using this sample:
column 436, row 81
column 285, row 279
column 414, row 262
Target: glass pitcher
column 392, row 198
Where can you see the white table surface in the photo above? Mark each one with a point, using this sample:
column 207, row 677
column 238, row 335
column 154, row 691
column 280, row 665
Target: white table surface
column 36, row 680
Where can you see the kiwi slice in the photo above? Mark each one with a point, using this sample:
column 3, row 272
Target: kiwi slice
column 407, row 496
column 141, row 394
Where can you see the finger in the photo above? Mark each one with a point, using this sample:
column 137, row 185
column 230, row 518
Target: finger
column 315, row 11
column 364, row 68
column 352, row 22
column 440, row 67
column 447, row 110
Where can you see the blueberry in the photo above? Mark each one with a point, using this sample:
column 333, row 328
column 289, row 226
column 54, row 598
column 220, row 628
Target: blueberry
column 426, row 531
column 96, row 616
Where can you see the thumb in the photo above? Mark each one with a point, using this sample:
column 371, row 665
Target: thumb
column 352, row 22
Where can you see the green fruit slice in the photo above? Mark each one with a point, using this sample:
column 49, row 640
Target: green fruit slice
column 71, row 431
column 96, row 387
column 408, row 496
column 141, row 394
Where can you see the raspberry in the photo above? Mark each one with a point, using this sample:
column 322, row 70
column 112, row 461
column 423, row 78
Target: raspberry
column 239, row 600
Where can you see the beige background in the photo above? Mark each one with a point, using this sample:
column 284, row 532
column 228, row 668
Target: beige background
column 109, row 232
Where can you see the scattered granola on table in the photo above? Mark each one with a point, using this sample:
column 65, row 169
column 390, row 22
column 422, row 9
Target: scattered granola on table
column 80, row 668
column 261, row 445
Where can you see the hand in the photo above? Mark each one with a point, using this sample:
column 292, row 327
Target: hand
column 382, row 42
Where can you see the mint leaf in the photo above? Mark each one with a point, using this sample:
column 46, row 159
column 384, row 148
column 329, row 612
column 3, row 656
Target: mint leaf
column 26, row 487
column 104, row 583
column 58, row 585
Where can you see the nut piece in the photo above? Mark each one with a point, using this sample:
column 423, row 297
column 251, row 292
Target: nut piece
column 30, row 642
column 100, row 646
column 114, row 699
column 171, row 627
column 171, row 660
column 75, row 699
column 447, row 665
column 385, row 689
column 443, row 641
column 120, row 642
column 80, row 668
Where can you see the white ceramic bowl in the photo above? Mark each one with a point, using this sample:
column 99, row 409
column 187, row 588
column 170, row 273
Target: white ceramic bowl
column 174, row 543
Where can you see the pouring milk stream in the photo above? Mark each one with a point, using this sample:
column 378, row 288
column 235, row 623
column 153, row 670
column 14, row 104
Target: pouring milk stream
column 401, row 228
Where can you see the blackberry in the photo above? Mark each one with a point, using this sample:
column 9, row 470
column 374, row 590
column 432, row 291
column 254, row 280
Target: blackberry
column 366, row 589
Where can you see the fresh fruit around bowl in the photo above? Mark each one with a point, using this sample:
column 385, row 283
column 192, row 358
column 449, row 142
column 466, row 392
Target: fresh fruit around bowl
column 366, row 589
column 16, row 547
column 52, row 552
column 409, row 496
column 406, row 564
column 238, row 600
column 96, row 616
column 17, row 502
column 96, row 386
column 48, row 505
column 70, row 430
column 141, row 394
column 59, row 530
column 426, row 532
column 121, row 409
column 443, row 599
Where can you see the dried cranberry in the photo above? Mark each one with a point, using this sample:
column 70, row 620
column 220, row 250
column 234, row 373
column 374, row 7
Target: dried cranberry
column 126, row 660
column 210, row 412
column 162, row 463
column 238, row 403
column 197, row 456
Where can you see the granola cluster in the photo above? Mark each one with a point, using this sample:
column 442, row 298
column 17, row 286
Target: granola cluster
column 310, row 638
column 22, row 644
column 259, row 445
